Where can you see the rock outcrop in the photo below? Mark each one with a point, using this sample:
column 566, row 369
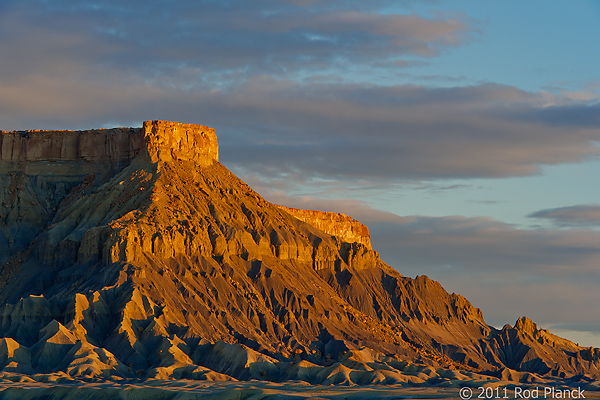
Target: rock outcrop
column 157, row 262
column 40, row 169
column 335, row 224
column 167, row 141
column 96, row 145
column 160, row 140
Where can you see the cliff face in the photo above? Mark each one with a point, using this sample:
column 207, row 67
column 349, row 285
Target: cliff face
column 40, row 169
column 159, row 140
column 68, row 153
column 160, row 263
column 166, row 141
column 335, row 224
column 91, row 145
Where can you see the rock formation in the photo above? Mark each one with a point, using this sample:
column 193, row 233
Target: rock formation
column 135, row 253
column 334, row 224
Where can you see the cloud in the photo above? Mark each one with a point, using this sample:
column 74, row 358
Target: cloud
column 259, row 73
column 364, row 131
column 218, row 38
column 573, row 216
column 550, row 276
column 436, row 187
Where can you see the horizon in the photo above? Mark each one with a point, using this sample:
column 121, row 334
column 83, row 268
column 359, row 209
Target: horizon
column 464, row 134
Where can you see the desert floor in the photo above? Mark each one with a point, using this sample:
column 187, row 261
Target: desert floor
column 183, row 390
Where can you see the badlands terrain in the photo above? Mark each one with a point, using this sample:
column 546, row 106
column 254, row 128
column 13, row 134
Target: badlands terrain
column 134, row 265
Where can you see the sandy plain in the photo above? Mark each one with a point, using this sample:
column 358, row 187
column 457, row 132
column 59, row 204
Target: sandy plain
column 257, row 390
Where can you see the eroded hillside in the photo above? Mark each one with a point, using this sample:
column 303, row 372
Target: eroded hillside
column 150, row 259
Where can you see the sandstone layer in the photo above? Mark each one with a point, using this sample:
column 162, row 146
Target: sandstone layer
column 166, row 265
column 61, row 146
column 335, row 224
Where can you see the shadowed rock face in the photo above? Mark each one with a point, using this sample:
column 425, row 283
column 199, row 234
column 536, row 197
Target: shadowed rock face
column 96, row 145
column 156, row 261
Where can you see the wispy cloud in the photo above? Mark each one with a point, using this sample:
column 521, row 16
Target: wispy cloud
column 216, row 38
column 436, row 187
column 573, row 216
column 411, row 132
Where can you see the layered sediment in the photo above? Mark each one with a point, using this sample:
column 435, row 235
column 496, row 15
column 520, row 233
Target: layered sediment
column 166, row 265
column 167, row 141
column 335, row 224
column 39, row 169
column 38, row 151
column 90, row 145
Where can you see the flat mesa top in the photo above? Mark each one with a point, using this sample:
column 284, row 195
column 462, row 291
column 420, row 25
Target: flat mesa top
column 160, row 140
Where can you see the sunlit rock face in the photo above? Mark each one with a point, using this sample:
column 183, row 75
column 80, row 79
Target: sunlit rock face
column 160, row 140
column 132, row 252
column 335, row 224
column 168, row 141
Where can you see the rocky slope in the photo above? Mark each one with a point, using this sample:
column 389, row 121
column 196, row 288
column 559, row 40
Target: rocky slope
column 147, row 258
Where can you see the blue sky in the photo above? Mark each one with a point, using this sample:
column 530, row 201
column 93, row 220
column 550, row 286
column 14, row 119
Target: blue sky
column 464, row 133
column 534, row 45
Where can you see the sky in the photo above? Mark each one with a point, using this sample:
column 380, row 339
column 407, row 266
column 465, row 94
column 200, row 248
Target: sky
column 465, row 134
